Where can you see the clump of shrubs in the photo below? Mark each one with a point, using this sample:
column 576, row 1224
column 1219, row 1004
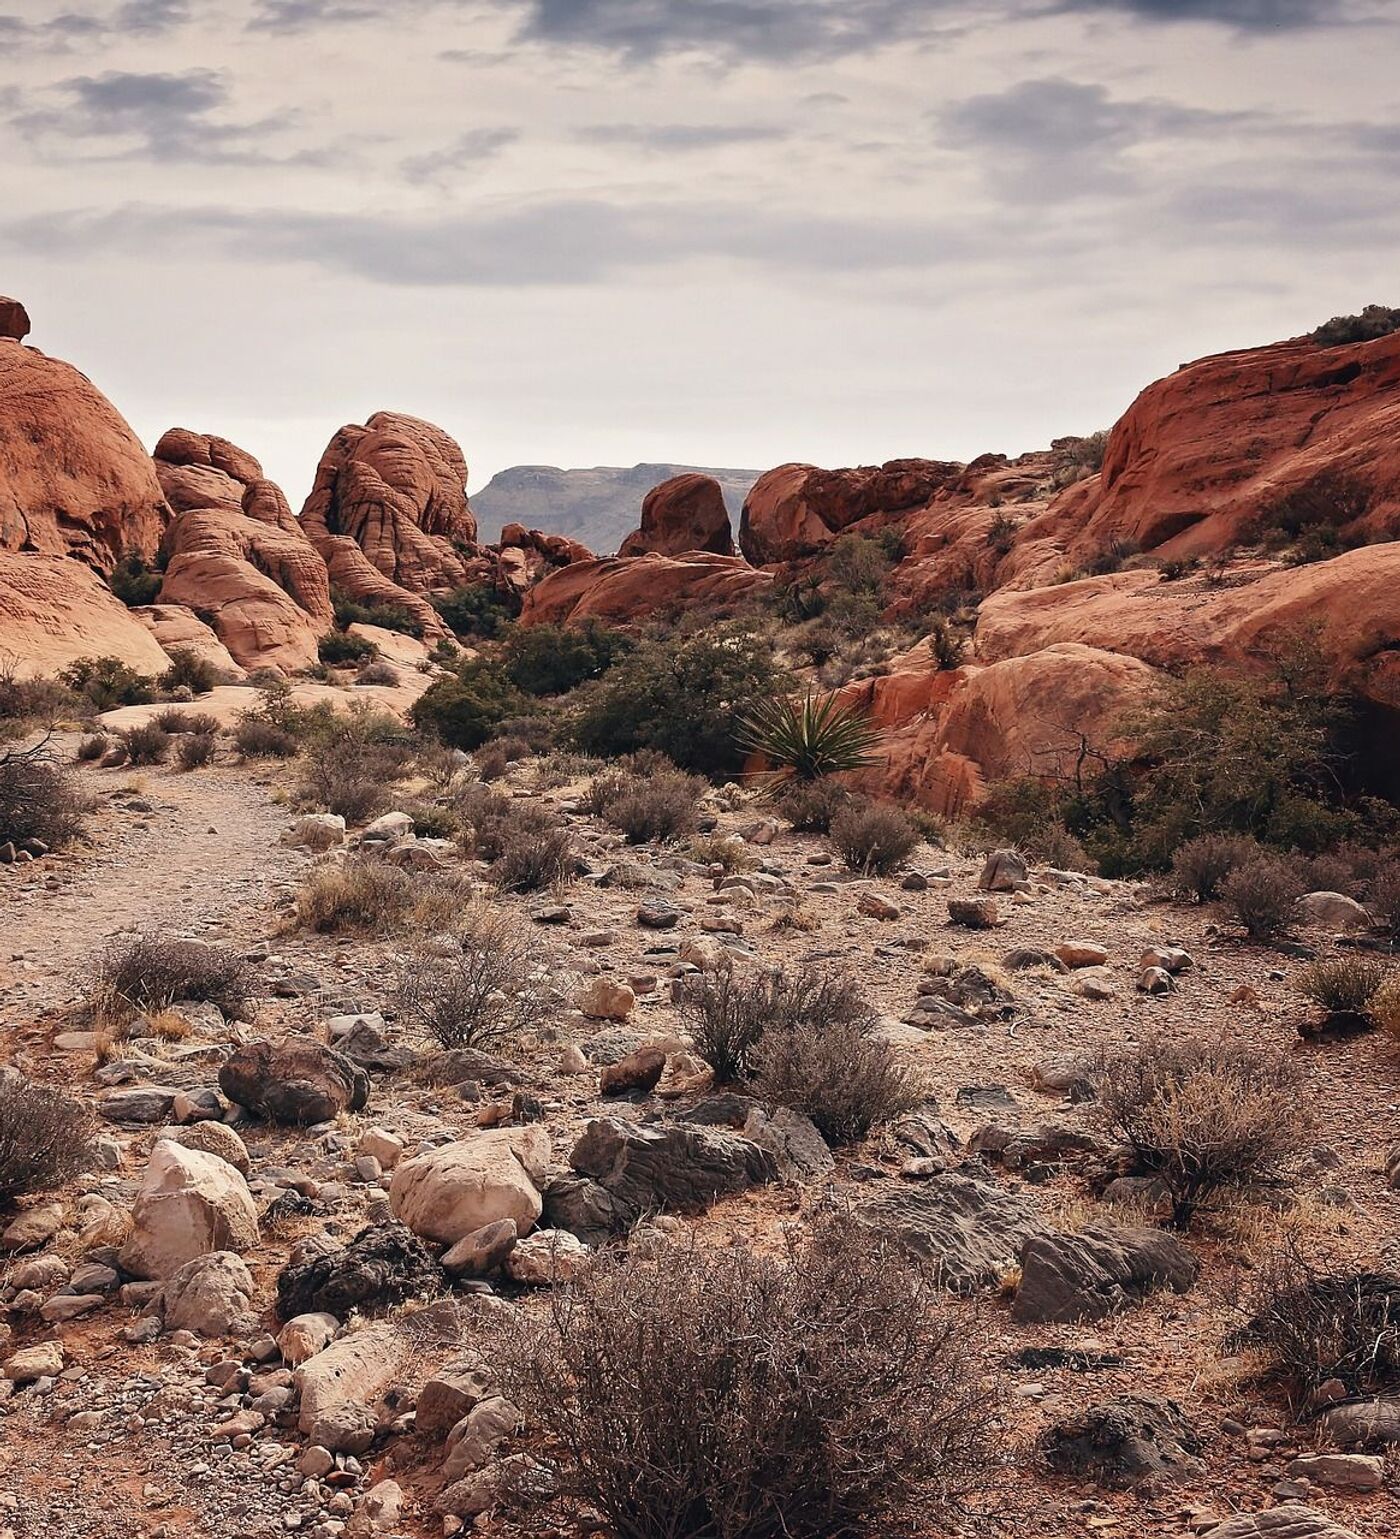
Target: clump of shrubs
column 107, row 682
column 188, row 670
column 258, row 737
column 45, row 1138
column 1202, row 864
column 811, row 805
column 779, row 1447
column 378, row 672
column 134, row 583
column 336, row 648
column 351, row 763
column 477, row 610
column 360, row 895
column 1342, row 987
column 873, row 838
column 388, row 617
column 196, row 750
column 466, row 708
column 553, row 659
column 657, row 803
column 475, row 989
column 148, row 743
column 38, row 800
column 92, row 747
column 175, row 719
column 1262, row 893
column 149, row 973
column 535, row 862
column 1202, row 1115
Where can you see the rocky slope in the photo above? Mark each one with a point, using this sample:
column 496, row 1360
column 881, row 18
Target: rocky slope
column 597, row 508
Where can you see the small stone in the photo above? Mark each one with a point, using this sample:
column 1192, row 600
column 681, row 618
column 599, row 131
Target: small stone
column 875, row 905
column 1155, row 980
column 638, row 1072
column 604, row 999
column 1004, row 871
column 484, row 1251
column 1079, row 953
column 973, row 913
column 1345, row 1471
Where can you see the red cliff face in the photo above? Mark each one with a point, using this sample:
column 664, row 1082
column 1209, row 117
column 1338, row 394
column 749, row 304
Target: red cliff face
column 74, row 479
column 682, row 514
column 397, row 488
column 621, row 590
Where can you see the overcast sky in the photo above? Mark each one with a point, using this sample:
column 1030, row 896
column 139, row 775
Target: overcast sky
column 727, row 232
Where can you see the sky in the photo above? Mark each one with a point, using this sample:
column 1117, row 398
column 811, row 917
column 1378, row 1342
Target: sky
column 723, row 232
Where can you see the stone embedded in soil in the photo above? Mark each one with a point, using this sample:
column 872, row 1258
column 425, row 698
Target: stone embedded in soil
column 1133, row 1441
column 1097, row 1271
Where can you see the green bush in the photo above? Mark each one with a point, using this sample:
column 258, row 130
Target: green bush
column 465, row 708
column 389, row 617
column 873, row 838
column 810, row 805
column 1374, row 321
column 478, row 611
column 146, row 744
column 337, row 647
column 1343, row 986
column 858, row 563
column 107, row 682
column 188, row 670
column 817, row 738
column 134, row 583
column 553, row 659
column 681, row 695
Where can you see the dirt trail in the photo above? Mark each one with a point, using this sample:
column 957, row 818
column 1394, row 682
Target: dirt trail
column 171, row 853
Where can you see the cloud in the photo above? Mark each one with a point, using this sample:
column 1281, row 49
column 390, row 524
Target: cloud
column 466, row 152
column 1055, row 139
column 296, row 15
column 166, row 118
column 143, row 18
column 575, row 241
column 1243, row 15
column 674, row 137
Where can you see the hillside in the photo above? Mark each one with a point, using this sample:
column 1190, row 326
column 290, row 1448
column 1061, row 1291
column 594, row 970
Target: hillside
column 597, row 507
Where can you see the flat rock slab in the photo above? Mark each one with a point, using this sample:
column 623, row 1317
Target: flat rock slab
column 1289, row 1521
column 1096, row 1272
column 973, row 1230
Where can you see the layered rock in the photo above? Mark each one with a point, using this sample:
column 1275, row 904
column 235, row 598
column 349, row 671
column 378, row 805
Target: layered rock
column 54, row 610
column 397, row 488
column 74, row 479
column 683, row 514
column 526, row 556
column 621, row 590
column 237, row 555
column 178, row 629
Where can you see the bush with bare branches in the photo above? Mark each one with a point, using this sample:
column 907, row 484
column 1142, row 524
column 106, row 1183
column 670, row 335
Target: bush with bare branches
column 1203, row 1115
column 873, row 837
column 150, row 972
column 44, row 1138
column 38, row 799
column 728, row 1394
column 477, row 989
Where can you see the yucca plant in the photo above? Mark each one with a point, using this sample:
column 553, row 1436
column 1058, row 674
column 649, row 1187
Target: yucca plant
column 810, row 740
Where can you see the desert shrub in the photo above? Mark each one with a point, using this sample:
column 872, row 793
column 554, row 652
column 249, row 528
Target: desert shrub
column 1201, row 865
column 1262, row 894
column 188, row 670
column 196, row 750
column 728, row 1014
column 360, row 895
column 466, row 707
column 23, row 701
column 1383, row 900
column 433, row 820
column 479, row 988
column 1343, row 986
column 657, row 805
column 553, row 659
column 134, row 583
column 873, row 837
column 858, row 563
column 808, row 741
column 378, row 672
column 45, row 1138
column 1112, row 558
column 38, row 799
column 340, row 647
column 148, row 743
column 147, row 973
column 1374, row 321
column 1313, row 1326
column 477, row 610
column 681, row 695
column 844, row 1078
column 176, row 719
column 1076, row 458
column 352, row 762
column 726, row 851
column 491, row 762
column 92, row 747
column 811, row 805
column 1384, row 1006
column 389, row 617
column 1312, row 515
column 1202, row 1115
column 1001, row 533
column 947, row 645
column 107, row 682
column 257, row 737
column 773, row 1444
column 490, row 819
column 532, row 862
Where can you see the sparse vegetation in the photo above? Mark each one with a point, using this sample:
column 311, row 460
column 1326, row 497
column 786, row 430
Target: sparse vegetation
column 196, row 750
column 38, row 799
column 148, row 743
column 360, row 895
column 45, row 1138
column 475, row 988
column 352, row 762
column 810, row 806
column 1373, row 322
column 774, row 1445
column 873, row 838
column 1343, row 986
column 1203, row 1115
column 817, row 738
column 149, row 973
column 107, row 682
column 134, row 583
column 659, row 806
column 188, row 670
column 1384, row 1006
column 1262, row 894
column 92, row 747
column 534, row 862
column 1202, row 864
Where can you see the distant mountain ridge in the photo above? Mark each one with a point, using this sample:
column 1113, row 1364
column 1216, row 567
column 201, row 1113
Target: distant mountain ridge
column 598, row 507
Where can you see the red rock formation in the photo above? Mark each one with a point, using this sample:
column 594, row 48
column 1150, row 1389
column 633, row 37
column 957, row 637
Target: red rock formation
column 625, row 589
column 685, row 513
column 950, row 734
column 14, row 320
column 797, row 510
column 524, row 556
column 397, row 488
column 54, row 610
column 176, row 628
column 74, row 479
column 238, row 556
column 1200, row 454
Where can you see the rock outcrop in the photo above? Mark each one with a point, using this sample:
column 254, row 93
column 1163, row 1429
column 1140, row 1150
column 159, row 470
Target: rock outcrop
column 236, row 554
column 74, row 479
column 178, row 629
column 14, row 320
column 621, row 590
column 397, row 488
column 683, row 514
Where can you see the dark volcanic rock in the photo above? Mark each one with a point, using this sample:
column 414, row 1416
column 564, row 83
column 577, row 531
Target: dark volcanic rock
column 383, row 1265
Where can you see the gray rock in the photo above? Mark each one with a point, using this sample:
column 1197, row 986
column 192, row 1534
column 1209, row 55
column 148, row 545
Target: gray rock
column 1357, row 1423
column 1287, row 1521
column 1131, row 1441
column 139, row 1105
column 1004, row 871
column 792, row 1138
column 1097, row 1271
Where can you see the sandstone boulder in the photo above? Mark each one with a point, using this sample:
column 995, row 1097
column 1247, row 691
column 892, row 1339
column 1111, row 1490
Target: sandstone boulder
column 1132, row 1441
column 297, row 1081
column 190, row 1203
column 625, row 590
column 207, row 1294
column 447, row 1193
column 682, row 514
column 14, row 320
